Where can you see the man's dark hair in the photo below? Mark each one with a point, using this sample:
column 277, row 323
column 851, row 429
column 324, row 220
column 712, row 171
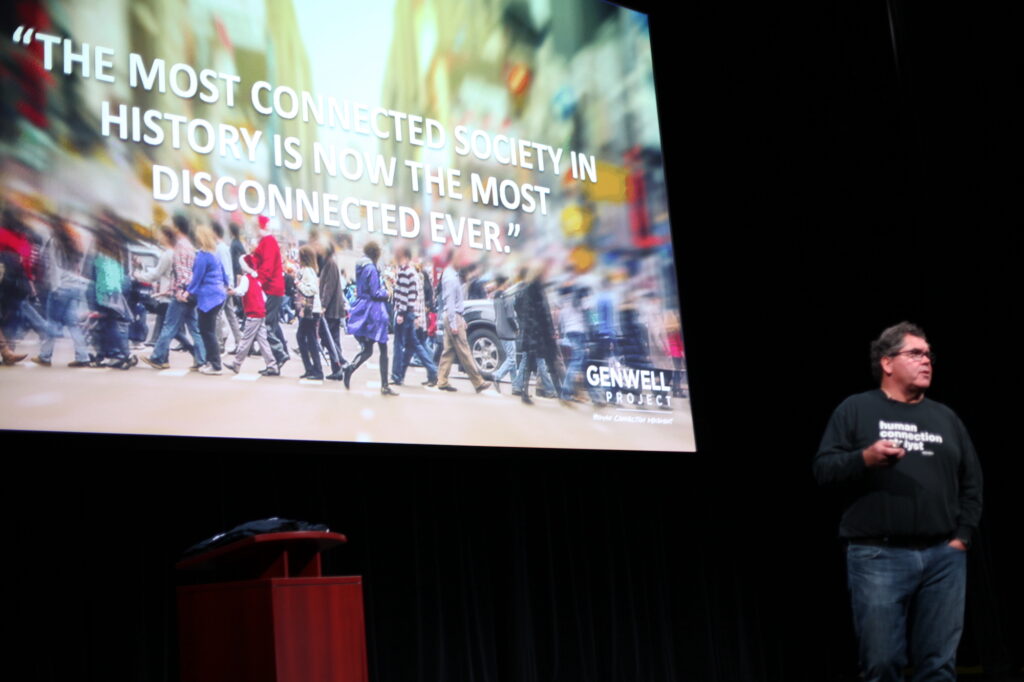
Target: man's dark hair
column 236, row 229
column 12, row 220
column 890, row 342
column 218, row 229
column 372, row 250
column 169, row 234
column 182, row 224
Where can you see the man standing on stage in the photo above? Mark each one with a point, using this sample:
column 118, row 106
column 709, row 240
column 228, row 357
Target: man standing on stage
column 915, row 489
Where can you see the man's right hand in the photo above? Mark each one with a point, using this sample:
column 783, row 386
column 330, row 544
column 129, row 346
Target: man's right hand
column 882, row 453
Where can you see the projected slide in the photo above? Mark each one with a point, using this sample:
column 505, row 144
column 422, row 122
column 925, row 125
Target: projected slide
column 412, row 221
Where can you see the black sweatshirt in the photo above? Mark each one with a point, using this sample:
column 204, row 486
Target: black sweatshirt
column 932, row 493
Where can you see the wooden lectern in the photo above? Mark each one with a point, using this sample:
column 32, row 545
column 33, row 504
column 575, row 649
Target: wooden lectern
column 269, row 615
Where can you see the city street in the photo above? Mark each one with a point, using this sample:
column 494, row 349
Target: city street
column 177, row 401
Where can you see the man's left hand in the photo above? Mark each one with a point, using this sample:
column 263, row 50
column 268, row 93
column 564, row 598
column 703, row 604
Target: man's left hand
column 956, row 543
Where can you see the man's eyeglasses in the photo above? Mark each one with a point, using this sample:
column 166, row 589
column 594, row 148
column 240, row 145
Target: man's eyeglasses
column 917, row 355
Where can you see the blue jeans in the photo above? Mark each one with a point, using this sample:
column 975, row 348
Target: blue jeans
column 62, row 309
column 907, row 603
column 179, row 315
column 113, row 334
column 509, row 366
column 309, row 349
column 542, row 370
column 26, row 315
column 275, row 337
column 208, row 333
column 408, row 344
column 398, row 362
column 575, row 369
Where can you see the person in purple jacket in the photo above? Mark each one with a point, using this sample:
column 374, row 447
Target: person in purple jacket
column 368, row 318
column 209, row 287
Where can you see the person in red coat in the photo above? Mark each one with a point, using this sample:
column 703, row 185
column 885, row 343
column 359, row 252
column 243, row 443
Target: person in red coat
column 266, row 259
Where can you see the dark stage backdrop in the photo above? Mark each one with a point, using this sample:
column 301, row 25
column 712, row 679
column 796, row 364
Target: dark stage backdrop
column 820, row 194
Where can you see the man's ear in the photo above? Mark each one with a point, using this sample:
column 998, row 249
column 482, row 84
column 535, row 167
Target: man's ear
column 886, row 364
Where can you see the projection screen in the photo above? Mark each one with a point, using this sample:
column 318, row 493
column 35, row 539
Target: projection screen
column 430, row 221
